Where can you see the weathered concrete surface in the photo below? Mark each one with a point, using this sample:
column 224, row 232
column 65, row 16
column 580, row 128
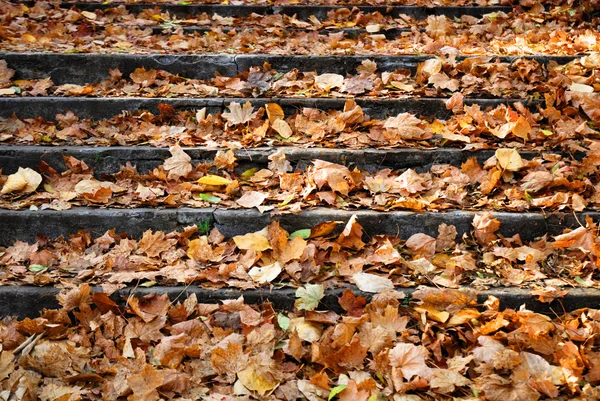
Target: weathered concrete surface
column 27, row 301
column 108, row 160
column 85, row 68
column 300, row 11
column 98, row 108
column 25, row 225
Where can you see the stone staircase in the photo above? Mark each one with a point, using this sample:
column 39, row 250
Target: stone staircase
column 22, row 218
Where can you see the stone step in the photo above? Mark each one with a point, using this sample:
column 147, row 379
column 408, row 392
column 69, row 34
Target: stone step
column 28, row 301
column 300, row 11
column 88, row 67
column 108, row 160
column 25, row 225
column 106, row 107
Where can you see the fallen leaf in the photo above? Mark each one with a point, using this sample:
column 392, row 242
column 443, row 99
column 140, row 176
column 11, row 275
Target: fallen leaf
column 178, row 165
column 25, row 180
column 372, row 283
column 308, row 297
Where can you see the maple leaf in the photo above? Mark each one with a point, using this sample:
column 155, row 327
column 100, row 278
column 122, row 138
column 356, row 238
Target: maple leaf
column 252, row 241
column 153, row 244
column 422, row 245
column 329, row 81
column 408, row 360
column 78, row 297
column 25, row 180
column 150, row 306
column 509, row 159
column 265, row 274
column 405, row 126
column 351, row 237
column 581, row 237
column 225, row 160
column 252, row 199
column 238, row 115
column 485, row 228
column 260, row 375
column 445, row 381
column 178, row 165
column 308, row 297
column 495, row 388
column 372, row 283
column 5, row 73
column 53, row 392
column 351, row 303
column 143, row 77
column 487, row 349
column 145, row 384
column 536, row 181
column 338, row 177
column 228, row 360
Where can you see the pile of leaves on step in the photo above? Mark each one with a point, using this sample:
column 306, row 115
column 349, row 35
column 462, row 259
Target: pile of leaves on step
column 325, row 254
column 436, row 77
column 437, row 346
column 496, row 33
column 505, row 181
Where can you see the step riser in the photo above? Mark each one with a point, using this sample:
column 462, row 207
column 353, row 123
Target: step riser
column 86, row 68
column 350, row 33
column 25, row 225
column 99, row 108
column 107, row 161
column 301, row 12
column 26, row 302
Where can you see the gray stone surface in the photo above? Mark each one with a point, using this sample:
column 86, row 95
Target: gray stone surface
column 49, row 107
column 108, row 160
column 25, row 225
column 27, row 301
column 85, row 68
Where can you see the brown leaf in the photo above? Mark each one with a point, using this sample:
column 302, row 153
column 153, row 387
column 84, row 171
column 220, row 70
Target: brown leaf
column 238, row 115
column 178, row 165
column 150, row 306
column 153, row 244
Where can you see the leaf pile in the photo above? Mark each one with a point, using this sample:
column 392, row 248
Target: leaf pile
column 330, row 253
column 505, row 181
column 495, row 33
column 21, row 19
column 469, row 127
column 439, row 347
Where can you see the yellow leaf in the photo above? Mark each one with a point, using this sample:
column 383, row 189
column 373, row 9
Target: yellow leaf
column 252, row 241
column 258, row 381
column 274, row 112
column 28, row 38
column 509, row 159
column 214, row 180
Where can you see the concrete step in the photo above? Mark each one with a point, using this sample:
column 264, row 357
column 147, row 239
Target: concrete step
column 89, row 67
column 28, row 301
column 108, row 160
column 25, row 225
column 300, row 11
column 106, row 107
